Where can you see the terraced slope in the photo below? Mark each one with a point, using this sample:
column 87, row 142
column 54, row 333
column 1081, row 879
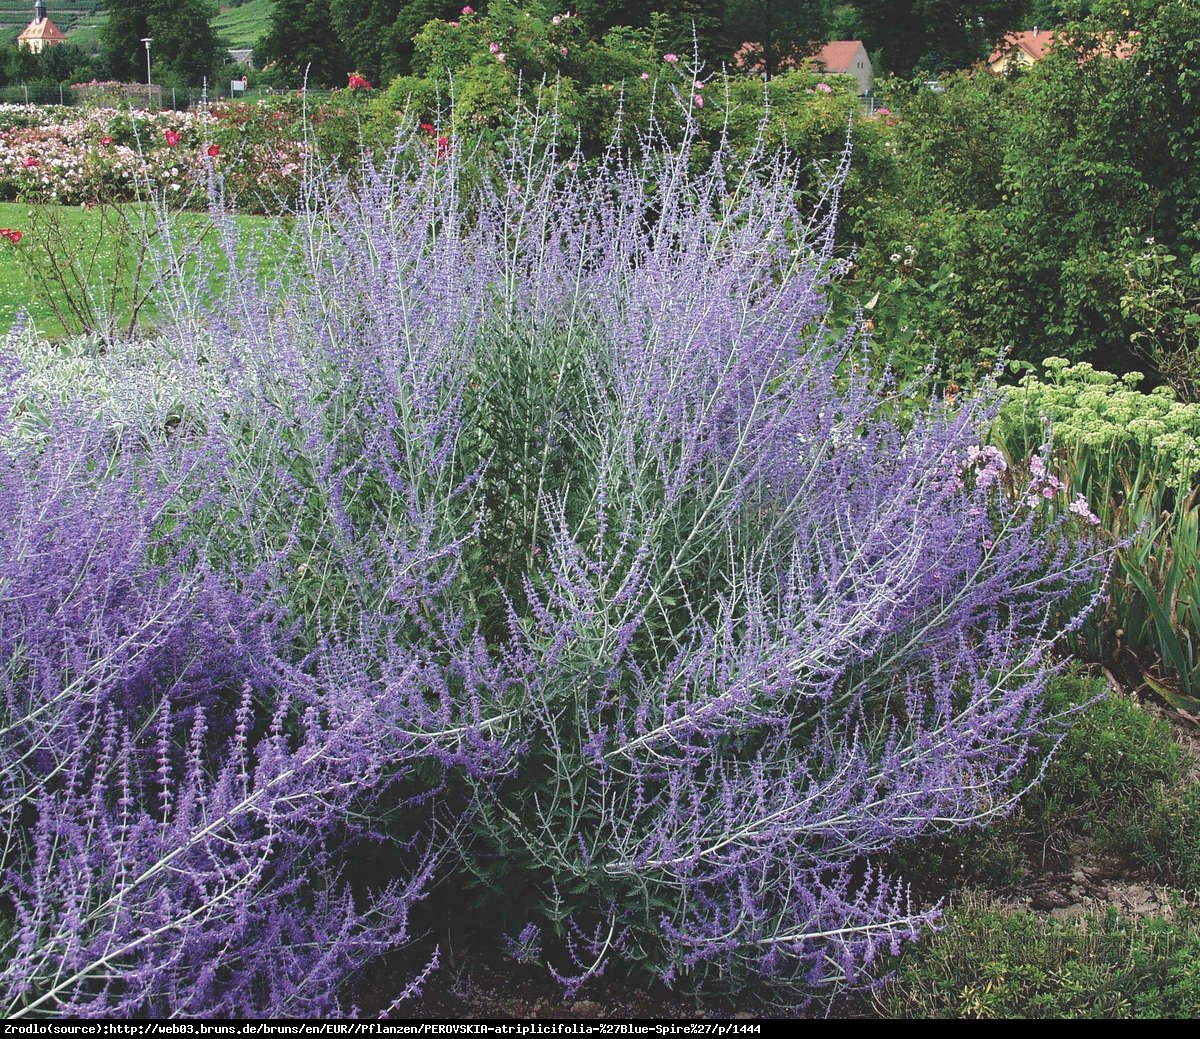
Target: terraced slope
column 68, row 15
column 242, row 26
column 239, row 26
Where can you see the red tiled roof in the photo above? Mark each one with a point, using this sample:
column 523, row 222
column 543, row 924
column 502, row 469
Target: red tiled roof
column 43, row 30
column 837, row 55
column 1037, row 43
column 1034, row 42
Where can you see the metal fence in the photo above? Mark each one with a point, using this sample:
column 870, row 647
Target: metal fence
column 120, row 95
column 134, row 95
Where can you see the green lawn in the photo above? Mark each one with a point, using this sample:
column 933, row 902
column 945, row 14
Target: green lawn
column 86, row 248
column 242, row 26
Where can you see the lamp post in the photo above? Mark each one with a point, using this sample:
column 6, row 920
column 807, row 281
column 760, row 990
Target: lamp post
column 147, row 40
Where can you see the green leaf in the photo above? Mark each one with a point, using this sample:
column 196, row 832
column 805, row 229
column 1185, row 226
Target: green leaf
column 1169, row 645
column 1179, row 701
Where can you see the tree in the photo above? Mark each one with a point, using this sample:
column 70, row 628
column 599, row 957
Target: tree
column 675, row 26
column 788, row 29
column 937, row 34
column 407, row 23
column 301, row 41
column 185, row 47
column 127, row 23
column 377, row 34
column 1050, row 13
column 67, row 63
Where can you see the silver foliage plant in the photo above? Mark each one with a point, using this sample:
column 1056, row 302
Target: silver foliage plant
column 531, row 522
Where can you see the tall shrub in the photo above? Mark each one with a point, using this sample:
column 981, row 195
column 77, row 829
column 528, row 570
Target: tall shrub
column 540, row 512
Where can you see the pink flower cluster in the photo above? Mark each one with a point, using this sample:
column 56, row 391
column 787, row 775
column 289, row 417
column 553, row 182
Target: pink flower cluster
column 989, row 464
column 1045, row 486
column 74, row 157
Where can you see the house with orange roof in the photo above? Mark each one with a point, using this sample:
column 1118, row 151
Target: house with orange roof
column 1026, row 48
column 839, row 57
column 41, row 32
column 847, row 58
column 1020, row 48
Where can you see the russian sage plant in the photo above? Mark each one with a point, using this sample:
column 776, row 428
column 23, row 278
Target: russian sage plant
column 225, row 665
column 531, row 524
column 758, row 631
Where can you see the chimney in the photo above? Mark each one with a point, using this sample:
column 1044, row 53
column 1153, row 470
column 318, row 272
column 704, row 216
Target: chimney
column 1035, row 28
column 39, row 12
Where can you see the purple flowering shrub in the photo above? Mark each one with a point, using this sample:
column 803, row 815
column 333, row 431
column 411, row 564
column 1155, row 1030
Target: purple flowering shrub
column 532, row 526
column 761, row 630
column 191, row 749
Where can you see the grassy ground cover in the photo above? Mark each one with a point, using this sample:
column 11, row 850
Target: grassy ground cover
column 72, row 258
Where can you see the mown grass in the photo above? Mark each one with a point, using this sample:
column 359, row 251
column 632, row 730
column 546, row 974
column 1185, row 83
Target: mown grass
column 95, row 259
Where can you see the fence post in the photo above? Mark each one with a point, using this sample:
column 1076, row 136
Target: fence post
column 25, row 87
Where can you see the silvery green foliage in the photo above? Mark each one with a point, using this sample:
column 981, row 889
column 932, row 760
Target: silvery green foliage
column 530, row 487
column 764, row 630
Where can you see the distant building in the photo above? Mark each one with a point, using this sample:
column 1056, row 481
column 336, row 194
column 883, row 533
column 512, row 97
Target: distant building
column 242, row 56
column 847, row 58
column 1032, row 45
column 41, row 32
column 838, row 58
column 1020, row 48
